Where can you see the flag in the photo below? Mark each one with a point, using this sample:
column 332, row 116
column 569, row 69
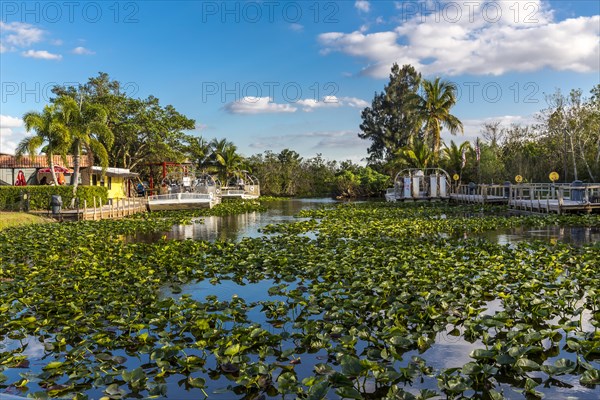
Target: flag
column 477, row 150
column 464, row 158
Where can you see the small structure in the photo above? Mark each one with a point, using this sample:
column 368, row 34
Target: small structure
column 119, row 181
column 10, row 167
column 242, row 185
column 413, row 184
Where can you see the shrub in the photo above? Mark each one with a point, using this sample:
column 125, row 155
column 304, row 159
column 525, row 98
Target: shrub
column 11, row 197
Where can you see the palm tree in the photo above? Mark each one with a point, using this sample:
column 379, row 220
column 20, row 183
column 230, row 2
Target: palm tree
column 416, row 155
column 453, row 156
column 48, row 130
column 87, row 124
column 230, row 162
column 433, row 108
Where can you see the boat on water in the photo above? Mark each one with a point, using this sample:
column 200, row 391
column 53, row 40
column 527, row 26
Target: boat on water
column 414, row 184
column 242, row 185
column 186, row 194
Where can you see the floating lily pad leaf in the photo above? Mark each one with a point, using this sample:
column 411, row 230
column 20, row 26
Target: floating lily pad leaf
column 482, row 354
column 53, row 365
column 526, row 364
column 114, row 391
column 590, row 377
column 197, row 382
column 351, row 366
column 348, row 393
column 318, row 391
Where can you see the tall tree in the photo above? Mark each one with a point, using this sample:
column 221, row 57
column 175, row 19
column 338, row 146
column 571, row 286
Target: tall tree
column 87, row 125
column 50, row 130
column 391, row 122
column 433, row 109
column 144, row 130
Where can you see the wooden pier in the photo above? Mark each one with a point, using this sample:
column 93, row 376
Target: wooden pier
column 117, row 208
column 481, row 194
column 547, row 198
column 542, row 198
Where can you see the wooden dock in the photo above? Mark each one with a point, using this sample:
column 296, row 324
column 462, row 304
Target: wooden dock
column 116, row 209
column 547, row 198
column 542, row 198
column 481, row 194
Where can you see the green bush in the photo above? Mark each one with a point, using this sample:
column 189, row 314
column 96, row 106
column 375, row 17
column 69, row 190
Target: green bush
column 360, row 182
column 39, row 196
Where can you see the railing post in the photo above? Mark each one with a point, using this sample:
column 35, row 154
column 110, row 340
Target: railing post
column 84, row 216
column 95, row 207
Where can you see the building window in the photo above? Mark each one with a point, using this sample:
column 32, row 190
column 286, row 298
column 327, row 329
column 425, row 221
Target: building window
column 94, row 180
column 109, row 182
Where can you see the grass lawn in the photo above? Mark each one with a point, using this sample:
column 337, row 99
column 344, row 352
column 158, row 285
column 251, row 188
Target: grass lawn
column 9, row 219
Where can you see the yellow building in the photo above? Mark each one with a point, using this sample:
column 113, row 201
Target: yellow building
column 120, row 182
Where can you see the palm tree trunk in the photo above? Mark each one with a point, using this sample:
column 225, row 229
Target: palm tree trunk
column 51, row 163
column 76, row 163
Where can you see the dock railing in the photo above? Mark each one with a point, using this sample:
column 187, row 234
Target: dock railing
column 482, row 193
column 549, row 197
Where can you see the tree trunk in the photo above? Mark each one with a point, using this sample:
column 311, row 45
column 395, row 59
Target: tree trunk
column 51, row 163
column 76, row 163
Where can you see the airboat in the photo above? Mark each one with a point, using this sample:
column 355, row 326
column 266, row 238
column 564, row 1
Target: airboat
column 242, row 185
column 180, row 190
column 413, row 184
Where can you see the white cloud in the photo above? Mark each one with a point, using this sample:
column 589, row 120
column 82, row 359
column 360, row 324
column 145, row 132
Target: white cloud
column 10, row 134
column 489, row 38
column 82, row 51
column 309, row 105
column 43, row 54
column 18, row 35
column 343, row 139
column 473, row 127
column 263, row 105
column 257, row 105
column 362, row 5
column 354, row 102
column 296, row 27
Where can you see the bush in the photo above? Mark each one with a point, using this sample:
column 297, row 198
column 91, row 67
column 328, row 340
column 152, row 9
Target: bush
column 360, row 182
column 39, row 196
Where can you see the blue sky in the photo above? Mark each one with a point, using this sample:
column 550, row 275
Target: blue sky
column 269, row 75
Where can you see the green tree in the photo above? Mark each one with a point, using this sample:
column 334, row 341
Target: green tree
column 50, row 130
column 89, row 132
column 433, row 109
column 144, row 131
column 452, row 156
column 391, row 122
column 416, row 155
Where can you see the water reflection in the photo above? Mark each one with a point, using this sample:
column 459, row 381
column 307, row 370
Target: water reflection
column 236, row 227
column 575, row 235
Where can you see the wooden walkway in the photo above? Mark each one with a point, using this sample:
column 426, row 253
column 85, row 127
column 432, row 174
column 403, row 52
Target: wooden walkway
column 543, row 198
column 481, row 194
column 118, row 208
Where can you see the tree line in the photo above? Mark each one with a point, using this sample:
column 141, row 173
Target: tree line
column 404, row 123
column 403, row 127
column 100, row 121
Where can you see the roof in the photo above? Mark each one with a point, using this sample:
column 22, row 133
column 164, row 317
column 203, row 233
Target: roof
column 121, row 172
column 38, row 161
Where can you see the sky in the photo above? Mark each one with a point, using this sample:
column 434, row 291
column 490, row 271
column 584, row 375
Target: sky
column 270, row 75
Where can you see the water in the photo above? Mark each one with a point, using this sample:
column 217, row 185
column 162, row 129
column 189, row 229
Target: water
column 236, row 227
column 448, row 351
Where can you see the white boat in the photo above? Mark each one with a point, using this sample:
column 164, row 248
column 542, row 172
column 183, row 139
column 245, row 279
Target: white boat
column 181, row 201
column 241, row 186
column 414, row 184
column 390, row 194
